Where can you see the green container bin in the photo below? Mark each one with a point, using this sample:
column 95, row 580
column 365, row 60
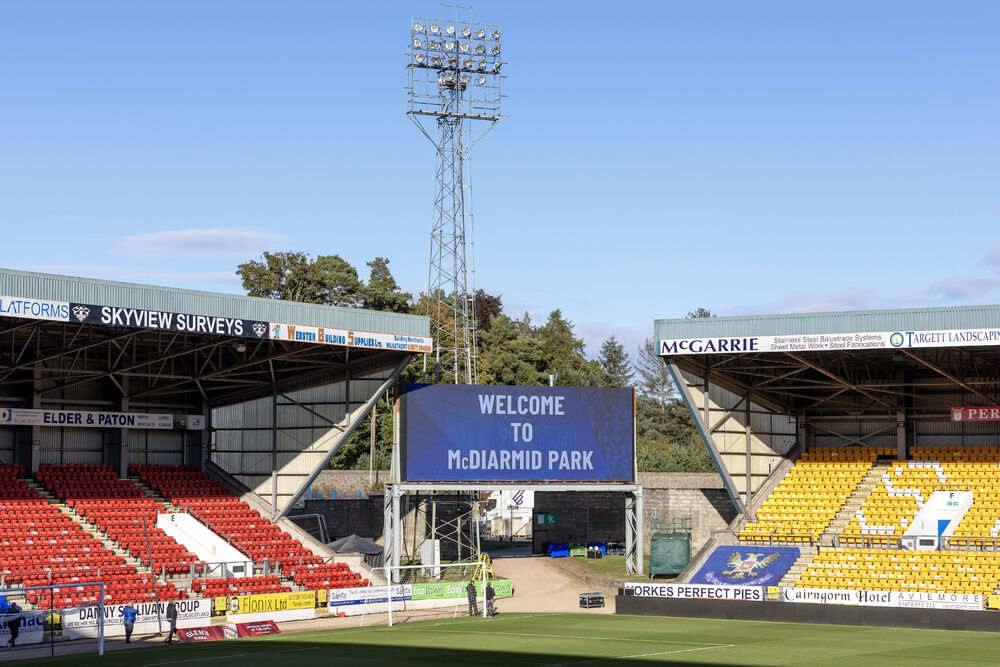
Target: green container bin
column 669, row 553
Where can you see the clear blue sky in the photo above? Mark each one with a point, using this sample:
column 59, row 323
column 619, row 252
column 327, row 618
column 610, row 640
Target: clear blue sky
column 747, row 157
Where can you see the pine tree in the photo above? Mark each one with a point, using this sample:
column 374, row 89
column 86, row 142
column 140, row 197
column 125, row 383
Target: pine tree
column 616, row 371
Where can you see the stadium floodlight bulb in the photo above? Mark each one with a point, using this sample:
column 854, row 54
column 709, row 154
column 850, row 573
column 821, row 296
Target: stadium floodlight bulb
column 463, row 47
column 434, row 45
column 435, row 60
column 495, row 50
column 480, row 34
column 495, row 35
column 482, row 64
column 467, row 63
column 449, row 76
column 466, row 31
column 481, row 80
column 481, row 49
column 418, row 27
column 450, row 30
column 453, row 62
column 435, row 28
column 449, row 45
column 418, row 43
column 496, row 66
column 464, row 79
column 419, row 58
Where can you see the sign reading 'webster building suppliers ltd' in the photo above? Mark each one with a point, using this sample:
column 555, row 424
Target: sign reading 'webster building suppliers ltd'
column 833, row 341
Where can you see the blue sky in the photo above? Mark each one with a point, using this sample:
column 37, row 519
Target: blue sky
column 747, row 157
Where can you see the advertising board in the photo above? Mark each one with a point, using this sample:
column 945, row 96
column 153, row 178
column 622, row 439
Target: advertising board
column 339, row 597
column 266, row 602
column 462, row 433
column 697, row 592
column 81, row 622
column 451, row 590
column 863, row 598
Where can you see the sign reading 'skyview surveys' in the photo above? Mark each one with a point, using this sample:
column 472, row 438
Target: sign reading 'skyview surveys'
column 460, row 433
column 835, row 341
column 134, row 318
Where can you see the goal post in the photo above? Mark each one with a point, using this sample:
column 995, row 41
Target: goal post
column 53, row 614
column 438, row 589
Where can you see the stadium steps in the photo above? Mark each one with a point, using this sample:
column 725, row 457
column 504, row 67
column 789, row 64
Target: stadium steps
column 43, row 492
column 102, row 537
column 857, row 498
column 798, row 568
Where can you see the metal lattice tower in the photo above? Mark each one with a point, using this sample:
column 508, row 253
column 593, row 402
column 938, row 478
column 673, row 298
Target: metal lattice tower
column 453, row 78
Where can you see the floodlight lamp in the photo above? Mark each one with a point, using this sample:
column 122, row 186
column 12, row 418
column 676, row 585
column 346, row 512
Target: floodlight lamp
column 463, row 47
column 434, row 45
column 452, row 62
column 419, row 58
column 449, row 45
column 481, row 80
column 495, row 34
column 481, row 49
column 482, row 64
column 450, row 30
column 418, row 43
column 466, row 31
column 467, row 63
column 496, row 66
column 435, row 28
column 418, row 27
column 435, row 60
column 449, row 76
column 495, row 50
column 464, row 79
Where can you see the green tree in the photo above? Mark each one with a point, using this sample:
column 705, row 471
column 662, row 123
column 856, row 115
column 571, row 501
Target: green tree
column 506, row 357
column 340, row 280
column 616, row 371
column 698, row 313
column 290, row 276
column 654, row 379
column 486, row 307
column 563, row 353
column 382, row 292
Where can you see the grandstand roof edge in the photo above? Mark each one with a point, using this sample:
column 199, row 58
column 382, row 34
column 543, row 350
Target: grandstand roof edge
column 853, row 321
column 55, row 287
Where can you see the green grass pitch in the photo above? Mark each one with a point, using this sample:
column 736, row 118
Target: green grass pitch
column 576, row 639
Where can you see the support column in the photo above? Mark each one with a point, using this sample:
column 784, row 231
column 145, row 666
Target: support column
column 749, row 461
column 116, row 441
column 801, row 437
column 639, row 532
column 28, row 440
column 630, row 533
column 900, row 434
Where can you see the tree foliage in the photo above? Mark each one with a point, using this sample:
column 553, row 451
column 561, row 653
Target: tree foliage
column 616, row 370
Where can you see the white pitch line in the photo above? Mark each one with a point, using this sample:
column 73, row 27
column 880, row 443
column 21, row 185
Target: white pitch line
column 227, row 657
column 615, row 639
column 637, row 655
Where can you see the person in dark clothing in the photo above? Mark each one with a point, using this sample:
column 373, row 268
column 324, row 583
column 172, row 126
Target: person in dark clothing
column 473, row 603
column 13, row 623
column 129, row 613
column 490, row 594
column 172, row 620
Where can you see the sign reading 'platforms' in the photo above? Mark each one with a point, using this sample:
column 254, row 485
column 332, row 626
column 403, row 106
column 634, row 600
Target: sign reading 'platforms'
column 458, row 433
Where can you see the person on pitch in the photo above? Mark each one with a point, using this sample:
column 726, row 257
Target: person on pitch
column 491, row 610
column 172, row 620
column 129, row 613
column 13, row 614
column 473, row 603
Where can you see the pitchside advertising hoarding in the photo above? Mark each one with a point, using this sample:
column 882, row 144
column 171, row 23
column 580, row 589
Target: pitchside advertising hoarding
column 460, row 433
column 884, row 340
column 93, row 419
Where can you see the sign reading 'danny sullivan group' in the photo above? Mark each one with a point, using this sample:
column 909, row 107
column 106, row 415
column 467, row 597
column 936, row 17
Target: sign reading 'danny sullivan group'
column 462, row 433
column 886, row 340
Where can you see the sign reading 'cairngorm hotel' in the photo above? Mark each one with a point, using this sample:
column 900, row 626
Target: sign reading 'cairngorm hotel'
column 990, row 413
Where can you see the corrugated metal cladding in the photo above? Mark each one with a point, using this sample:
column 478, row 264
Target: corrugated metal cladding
column 857, row 321
column 149, row 297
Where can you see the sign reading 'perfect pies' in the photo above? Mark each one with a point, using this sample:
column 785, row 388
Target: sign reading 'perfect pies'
column 981, row 414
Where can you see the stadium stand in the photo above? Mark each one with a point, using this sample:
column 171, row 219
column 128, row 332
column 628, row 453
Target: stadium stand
column 809, row 497
column 244, row 526
column 41, row 545
column 887, row 494
column 117, row 507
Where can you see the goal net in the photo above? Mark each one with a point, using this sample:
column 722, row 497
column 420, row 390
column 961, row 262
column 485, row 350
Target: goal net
column 44, row 620
column 398, row 594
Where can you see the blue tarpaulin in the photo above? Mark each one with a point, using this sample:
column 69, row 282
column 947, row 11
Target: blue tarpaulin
column 746, row 566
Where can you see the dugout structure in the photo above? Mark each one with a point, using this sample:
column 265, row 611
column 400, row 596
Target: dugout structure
column 261, row 391
column 471, row 439
column 763, row 389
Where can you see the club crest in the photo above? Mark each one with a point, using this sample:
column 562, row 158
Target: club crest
column 740, row 567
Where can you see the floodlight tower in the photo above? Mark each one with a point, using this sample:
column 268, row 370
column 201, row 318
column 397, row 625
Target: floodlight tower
column 453, row 82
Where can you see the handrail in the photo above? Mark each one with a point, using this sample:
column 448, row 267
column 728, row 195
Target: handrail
column 208, row 524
